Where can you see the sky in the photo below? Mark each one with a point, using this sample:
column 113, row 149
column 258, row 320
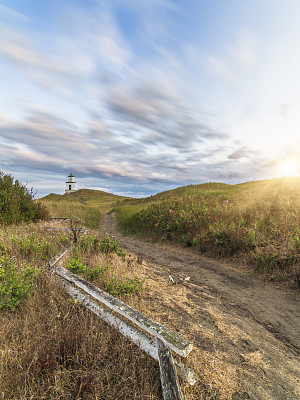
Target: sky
column 136, row 97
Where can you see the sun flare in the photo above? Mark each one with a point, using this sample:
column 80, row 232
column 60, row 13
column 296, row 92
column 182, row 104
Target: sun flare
column 289, row 168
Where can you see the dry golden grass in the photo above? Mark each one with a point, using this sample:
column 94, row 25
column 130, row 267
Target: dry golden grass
column 53, row 348
column 71, row 207
column 170, row 305
column 255, row 359
column 231, row 332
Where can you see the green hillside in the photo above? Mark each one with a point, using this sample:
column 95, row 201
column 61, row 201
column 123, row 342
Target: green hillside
column 254, row 222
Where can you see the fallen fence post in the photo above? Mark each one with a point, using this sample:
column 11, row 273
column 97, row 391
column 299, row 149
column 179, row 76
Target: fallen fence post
column 169, row 380
column 172, row 339
column 141, row 333
column 137, row 336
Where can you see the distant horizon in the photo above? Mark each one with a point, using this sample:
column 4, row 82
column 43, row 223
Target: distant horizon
column 139, row 97
column 177, row 187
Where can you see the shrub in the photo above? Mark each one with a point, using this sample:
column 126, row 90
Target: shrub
column 109, row 245
column 97, row 273
column 76, row 266
column 16, row 284
column 17, row 203
column 63, row 238
column 87, row 241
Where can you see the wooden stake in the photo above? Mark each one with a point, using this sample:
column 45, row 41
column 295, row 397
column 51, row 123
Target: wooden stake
column 169, row 380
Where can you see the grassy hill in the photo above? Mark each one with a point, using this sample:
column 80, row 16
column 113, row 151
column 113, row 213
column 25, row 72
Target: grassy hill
column 97, row 199
column 254, row 222
column 85, row 204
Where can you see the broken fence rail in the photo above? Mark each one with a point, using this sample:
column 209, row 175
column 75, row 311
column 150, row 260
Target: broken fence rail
column 51, row 228
column 152, row 337
column 64, row 219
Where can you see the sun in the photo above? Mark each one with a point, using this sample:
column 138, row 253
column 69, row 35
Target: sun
column 289, row 168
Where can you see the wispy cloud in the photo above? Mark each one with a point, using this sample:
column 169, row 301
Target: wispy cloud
column 143, row 96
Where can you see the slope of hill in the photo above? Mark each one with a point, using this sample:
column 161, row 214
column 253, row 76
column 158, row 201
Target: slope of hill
column 257, row 222
column 97, row 198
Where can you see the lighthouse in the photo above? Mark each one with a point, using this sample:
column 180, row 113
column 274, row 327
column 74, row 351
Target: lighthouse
column 70, row 184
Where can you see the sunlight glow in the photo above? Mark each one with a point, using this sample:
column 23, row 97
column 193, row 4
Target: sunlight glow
column 289, row 168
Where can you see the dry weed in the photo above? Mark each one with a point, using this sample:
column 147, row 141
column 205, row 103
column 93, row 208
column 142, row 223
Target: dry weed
column 230, row 331
column 53, row 349
column 255, row 359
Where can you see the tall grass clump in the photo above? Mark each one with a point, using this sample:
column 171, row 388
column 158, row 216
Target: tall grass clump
column 30, row 244
column 102, row 261
column 258, row 221
column 17, row 203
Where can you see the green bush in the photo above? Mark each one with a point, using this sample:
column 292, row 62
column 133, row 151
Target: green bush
column 127, row 286
column 63, row 238
column 16, row 283
column 76, row 266
column 97, row 273
column 17, row 203
column 109, row 245
column 87, row 241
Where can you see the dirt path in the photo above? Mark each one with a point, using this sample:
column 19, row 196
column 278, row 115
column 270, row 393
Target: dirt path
column 231, row 316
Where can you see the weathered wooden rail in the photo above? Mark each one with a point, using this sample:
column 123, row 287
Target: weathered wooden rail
column 152, row 337
column 51, row 228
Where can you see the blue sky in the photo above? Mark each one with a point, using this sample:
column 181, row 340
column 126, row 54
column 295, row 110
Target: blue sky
column 136, row 97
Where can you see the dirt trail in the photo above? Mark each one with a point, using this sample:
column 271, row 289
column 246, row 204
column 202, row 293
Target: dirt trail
column 232, row 316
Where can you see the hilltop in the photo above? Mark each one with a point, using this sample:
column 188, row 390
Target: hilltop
column 81, row 203
column 98, row 198
column 285, row 183
column 87, row 196
column 85, row 204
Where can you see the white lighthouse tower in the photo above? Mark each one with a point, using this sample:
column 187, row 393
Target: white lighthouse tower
column 70, row 184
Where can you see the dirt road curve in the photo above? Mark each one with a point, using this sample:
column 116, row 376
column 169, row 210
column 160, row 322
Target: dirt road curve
column 255, row 325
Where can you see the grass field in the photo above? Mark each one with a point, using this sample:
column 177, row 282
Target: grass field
column 52, row 347
column 257, row 222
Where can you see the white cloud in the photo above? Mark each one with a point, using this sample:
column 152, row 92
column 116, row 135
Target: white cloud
column 20, row 50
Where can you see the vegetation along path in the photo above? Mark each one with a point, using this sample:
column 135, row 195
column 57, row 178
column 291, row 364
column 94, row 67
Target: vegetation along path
column 246, row 329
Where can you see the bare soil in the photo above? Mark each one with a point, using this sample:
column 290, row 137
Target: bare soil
column 246, row 332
